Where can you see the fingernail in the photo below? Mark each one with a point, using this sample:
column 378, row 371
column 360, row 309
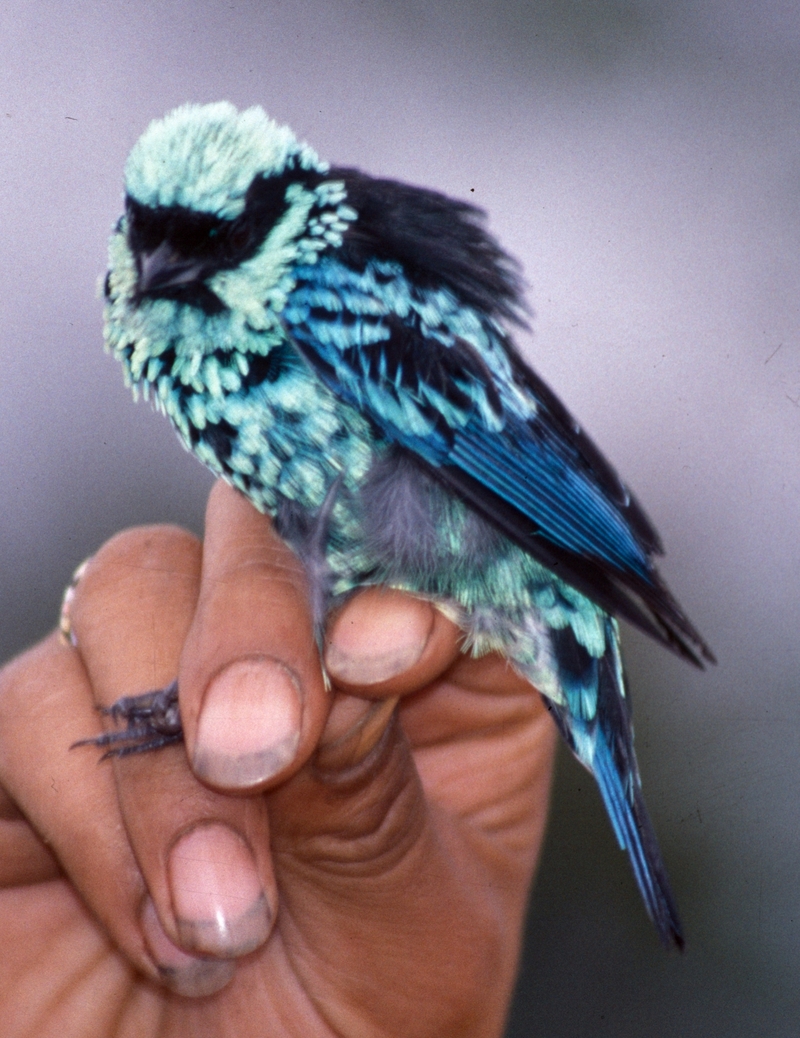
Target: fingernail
column 219, row 903
column 249, row 727
column 354, row 729
column 182, row 973
column 378, row 635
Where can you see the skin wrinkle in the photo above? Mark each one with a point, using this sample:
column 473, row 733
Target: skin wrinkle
column 129, row 1009
column 305, row 959
column 360, row 773
column 511, row 825
column 267, row 573
column 9, row 812
column 299, row 974
column 55, row 931
column 507, row 813
column 264, row 541
column 293, row 976
column 81, row 1005
column 508, row 810
column 317, row 1002
column 434, row 833
column 394, row 849
column 57, row 992
column 452, row 710
column 393, row 822
column 443, row 855
column 499, row 729
column 24, row 857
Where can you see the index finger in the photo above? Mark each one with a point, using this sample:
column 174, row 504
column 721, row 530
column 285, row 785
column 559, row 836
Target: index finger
column 252, row 692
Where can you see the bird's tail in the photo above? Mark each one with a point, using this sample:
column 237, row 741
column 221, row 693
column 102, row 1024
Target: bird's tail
column 635, row 834
column 603, row 743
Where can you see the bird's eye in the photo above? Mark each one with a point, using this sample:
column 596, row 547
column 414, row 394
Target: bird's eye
column 192, row 234
column 239, row 237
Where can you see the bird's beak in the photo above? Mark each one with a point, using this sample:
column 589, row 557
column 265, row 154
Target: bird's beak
column 165, row 268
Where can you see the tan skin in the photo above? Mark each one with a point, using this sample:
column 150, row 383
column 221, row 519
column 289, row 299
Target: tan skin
column 352, row 862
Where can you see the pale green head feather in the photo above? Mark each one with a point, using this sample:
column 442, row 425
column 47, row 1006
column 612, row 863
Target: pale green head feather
column 204, row 157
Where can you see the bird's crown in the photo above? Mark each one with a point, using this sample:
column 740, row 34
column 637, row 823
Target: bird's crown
column 204, row 158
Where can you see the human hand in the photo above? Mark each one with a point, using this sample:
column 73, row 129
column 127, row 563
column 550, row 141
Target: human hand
column 313, row 862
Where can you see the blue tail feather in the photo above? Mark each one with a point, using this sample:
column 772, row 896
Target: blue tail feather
column 635, row 834
column 602, row 740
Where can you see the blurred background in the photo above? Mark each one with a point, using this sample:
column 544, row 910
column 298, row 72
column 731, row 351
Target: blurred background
column 642, row 159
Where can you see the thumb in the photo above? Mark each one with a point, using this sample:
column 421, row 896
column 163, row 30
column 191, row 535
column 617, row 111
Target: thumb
column 373, row 893
column 382, row 896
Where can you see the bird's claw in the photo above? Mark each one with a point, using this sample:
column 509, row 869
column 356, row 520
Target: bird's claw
column 152, row 720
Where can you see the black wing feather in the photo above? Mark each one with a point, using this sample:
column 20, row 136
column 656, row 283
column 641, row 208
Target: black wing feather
column 439, row 241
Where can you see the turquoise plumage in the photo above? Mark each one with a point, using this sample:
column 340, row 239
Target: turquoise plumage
column 337, row 348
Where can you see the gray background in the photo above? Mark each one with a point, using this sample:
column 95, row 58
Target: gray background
column 641, row 158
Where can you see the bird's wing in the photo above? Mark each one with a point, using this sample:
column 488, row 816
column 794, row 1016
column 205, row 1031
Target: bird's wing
column 494, row 434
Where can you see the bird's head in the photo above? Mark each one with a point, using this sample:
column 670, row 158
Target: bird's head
column 220, row 207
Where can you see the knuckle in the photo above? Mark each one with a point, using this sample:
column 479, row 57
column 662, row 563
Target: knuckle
column 148, row 547
column 142, row 558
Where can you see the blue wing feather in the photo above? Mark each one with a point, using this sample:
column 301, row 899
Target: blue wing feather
column 565, row 505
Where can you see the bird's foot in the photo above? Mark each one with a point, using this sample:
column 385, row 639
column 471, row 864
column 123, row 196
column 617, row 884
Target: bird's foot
column 152, row 720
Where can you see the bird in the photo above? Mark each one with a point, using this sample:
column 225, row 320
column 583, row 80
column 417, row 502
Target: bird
column 339, row 348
